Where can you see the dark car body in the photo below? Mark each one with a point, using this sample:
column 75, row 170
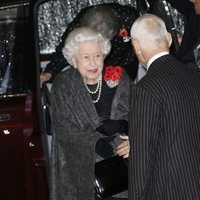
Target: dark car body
column 23, row 171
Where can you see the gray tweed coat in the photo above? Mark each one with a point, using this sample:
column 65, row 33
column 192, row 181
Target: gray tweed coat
column 74, row 121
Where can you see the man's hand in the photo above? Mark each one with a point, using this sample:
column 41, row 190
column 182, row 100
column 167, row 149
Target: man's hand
column 44, row 77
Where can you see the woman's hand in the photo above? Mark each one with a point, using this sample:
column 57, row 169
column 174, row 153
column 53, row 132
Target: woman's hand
column 124, row 148
column 110, row 127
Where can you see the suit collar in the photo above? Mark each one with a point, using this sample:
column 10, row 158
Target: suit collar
column 156, row 57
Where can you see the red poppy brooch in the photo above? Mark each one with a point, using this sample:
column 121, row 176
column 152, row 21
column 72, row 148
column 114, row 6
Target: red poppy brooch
column 124, row 34
column 113, row 75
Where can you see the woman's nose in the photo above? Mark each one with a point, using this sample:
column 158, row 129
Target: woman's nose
column 92, row 61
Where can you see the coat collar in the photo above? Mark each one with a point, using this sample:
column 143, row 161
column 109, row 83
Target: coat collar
column 83, row 99
column 156, row 57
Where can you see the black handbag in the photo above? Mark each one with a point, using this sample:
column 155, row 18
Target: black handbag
column 111, row 176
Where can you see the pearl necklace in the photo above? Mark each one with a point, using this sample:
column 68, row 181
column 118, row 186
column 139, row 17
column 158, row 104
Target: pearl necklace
column 99, row 87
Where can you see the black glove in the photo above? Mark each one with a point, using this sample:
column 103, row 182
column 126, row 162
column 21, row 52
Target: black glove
column 110, row 127
column 104, row 148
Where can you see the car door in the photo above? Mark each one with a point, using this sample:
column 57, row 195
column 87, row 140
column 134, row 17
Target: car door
column 23, row 174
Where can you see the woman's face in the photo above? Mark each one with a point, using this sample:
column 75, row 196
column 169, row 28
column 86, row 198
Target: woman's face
column 89, row 61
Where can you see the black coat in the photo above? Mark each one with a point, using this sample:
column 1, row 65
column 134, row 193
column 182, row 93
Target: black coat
column 165, row 133
column 75, row 121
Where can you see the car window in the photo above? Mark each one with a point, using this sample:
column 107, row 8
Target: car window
column 15, row 57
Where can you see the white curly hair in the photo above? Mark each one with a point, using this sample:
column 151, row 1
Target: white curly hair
column 84, row 34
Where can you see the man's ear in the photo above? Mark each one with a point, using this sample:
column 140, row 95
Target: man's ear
column 137, row 47
column 139, row 52
column 169, row 38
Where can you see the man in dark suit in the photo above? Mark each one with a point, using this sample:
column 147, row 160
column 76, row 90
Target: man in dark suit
column 164, row 123
column 191, row 38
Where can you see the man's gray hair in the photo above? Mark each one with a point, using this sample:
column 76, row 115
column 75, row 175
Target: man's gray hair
column 84, row 34
column 149, row 30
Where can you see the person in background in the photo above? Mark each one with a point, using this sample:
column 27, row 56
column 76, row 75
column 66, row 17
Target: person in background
column 89, row 108
column 189, row 48
column 114, row 21
column 164, row 118
column 196, row 4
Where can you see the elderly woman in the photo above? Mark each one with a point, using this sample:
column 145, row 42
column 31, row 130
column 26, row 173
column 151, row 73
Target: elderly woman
column 90, row 103
column 111, row 19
